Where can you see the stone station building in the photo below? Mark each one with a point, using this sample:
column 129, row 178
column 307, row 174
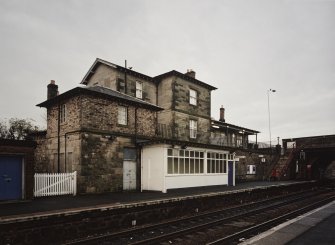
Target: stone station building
column 128, row 131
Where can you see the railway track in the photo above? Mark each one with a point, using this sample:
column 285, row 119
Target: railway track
column 218, row 227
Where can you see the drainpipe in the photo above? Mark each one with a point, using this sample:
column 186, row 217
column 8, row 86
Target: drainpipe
column 136, row 124
column 227, row 136
column 156, row 128
column 125, row 76
column 65, row 153
column 58, row 140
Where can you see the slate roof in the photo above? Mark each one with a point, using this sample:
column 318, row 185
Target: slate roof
column 155, row 79
column 185, row 77
column 100, row 92
column 224, row 126
column 99, row 61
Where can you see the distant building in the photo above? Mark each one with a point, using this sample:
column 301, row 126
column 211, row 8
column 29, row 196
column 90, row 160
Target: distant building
column 128, row 131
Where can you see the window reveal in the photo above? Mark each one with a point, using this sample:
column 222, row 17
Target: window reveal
column 251, row 169
column 193, row 97
column 62, row 113
column 193, row 129
column 139, row 90
column 121, row 85
column 122, row 115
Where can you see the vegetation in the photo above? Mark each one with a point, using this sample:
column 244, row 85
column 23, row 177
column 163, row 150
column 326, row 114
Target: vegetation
column 17, row 129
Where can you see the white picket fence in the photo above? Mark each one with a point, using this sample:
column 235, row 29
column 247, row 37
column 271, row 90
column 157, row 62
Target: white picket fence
column 55, row 184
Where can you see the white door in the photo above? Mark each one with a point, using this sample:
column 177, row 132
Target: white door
column 129, row 175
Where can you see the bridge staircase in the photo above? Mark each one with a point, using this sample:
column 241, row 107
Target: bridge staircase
column 280, row 170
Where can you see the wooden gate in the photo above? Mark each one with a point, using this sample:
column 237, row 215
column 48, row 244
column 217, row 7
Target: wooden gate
column 55, row 184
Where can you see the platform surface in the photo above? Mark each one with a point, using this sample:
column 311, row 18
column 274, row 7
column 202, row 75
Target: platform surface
column 63, row 203
column 314, row 228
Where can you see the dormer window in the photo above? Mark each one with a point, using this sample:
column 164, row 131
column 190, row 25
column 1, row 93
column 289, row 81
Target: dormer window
column 193, row 97
column 139, row 90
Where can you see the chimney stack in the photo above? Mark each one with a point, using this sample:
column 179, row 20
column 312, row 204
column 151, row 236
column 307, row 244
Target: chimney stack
column 190, row 73
column 52, row 89
column 222, row 114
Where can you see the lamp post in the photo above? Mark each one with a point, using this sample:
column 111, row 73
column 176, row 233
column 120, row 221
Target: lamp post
column 270, row 90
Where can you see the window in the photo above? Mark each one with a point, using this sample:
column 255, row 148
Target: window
column 122, row 115
column 251, row 169
column 62, row 113
column 121, row 85
column 239, row 141
column 216, row 162
column 139, row 89
column 193, row 129
column 185, row 162
column 193, row 97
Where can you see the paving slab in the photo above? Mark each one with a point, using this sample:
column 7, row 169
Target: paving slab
column 315, row 227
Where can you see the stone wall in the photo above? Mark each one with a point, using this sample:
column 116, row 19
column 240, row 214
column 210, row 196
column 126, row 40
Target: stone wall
column 102, row 163
column 108, row 77
column 104, row 76
column 173, row 96
column 182, row 121
column 102, row 114
column 73, row 117
column 251, row 158
column 181, row 103
column 88, row 141
column 40, row 153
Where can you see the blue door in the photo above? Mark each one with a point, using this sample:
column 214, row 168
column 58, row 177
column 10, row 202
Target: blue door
column 230, row 173
column 10, row 177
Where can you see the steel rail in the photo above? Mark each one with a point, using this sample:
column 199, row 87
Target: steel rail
column 126, row 232
column 209, row 224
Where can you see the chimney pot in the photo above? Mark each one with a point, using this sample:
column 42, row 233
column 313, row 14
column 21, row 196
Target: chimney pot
column 190, row 73
column 222, row 114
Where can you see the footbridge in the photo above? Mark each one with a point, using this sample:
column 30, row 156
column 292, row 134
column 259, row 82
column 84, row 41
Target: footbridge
column 307, row 158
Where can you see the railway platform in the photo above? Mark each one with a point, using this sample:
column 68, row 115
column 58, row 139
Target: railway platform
column 62, row 204
column 65, row 218
column 315, row 227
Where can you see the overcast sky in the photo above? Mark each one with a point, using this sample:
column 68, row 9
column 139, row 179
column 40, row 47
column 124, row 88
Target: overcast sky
column 244, row 48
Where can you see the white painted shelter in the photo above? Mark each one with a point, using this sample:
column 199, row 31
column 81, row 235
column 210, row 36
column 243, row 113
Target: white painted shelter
column 169, row 167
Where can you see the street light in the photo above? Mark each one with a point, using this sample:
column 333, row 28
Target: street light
column 270, row 90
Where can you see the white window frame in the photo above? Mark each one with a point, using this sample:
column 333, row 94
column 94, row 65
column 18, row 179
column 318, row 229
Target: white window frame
column 251, row 169
column 193, row 97
column 185, row 162
column 122, row 115
column 217, row 163
column 239, row 140
column 139, row 89
column 62, row 113
column 193, row 129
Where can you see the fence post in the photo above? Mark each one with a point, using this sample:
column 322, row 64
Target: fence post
column 74, row 183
